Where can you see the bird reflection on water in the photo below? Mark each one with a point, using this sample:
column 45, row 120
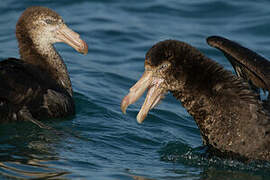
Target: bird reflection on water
column 26, row 155
column 17, row 172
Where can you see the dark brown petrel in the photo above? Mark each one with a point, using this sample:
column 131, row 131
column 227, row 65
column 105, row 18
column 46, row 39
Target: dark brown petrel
column 233, row 121
column 38, row 86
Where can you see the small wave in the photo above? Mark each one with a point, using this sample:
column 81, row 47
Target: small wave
column 179, row 152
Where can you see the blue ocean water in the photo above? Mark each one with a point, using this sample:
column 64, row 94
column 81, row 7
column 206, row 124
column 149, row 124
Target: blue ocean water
column 99, row 142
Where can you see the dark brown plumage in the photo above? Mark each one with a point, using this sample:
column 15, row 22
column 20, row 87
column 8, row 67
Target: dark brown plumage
column 38, row 86
column 232, row 120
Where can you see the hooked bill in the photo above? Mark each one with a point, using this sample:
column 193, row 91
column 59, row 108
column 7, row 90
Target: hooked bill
column 72, row 38
column 154, row 95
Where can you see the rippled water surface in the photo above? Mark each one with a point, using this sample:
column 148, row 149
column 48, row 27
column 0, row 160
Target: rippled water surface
column 99, row 142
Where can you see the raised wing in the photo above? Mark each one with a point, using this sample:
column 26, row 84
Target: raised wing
column 247, row 64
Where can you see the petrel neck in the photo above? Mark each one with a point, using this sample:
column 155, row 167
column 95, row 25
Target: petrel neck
column 45, row 57
column 214, row 97
column 197, row 105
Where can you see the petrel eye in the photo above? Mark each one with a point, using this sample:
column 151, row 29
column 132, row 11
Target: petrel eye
column 48, row 21
column 163, row 66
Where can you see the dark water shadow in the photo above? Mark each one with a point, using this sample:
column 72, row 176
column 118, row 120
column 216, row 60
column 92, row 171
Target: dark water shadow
column 28, row 152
